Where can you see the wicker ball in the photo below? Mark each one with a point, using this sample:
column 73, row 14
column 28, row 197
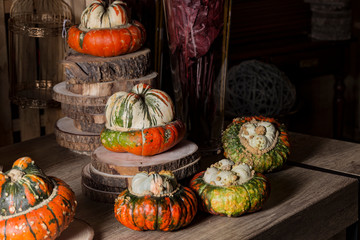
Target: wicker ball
column 257, row 88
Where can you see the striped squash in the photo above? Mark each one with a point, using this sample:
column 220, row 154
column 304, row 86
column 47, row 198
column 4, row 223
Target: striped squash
column 105, row 31
column 247, row 140
column 235, row 197
column 141, row 122
column 155, row 202
column 32, row 205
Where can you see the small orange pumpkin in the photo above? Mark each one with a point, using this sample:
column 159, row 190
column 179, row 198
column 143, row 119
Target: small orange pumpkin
column 155, row 202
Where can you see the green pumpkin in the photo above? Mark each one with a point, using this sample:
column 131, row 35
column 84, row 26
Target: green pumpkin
column 257, row 141
column 230, row 191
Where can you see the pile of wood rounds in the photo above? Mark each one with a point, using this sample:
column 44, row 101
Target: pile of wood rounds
column 109, row 173
column 89, row 82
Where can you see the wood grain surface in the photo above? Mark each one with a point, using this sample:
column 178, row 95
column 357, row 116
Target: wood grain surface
column 61, row 94
column 67, row 135
column 182, row 154
column 109, row 88
column 330, row 154
column 82, row 68
column 304, row 204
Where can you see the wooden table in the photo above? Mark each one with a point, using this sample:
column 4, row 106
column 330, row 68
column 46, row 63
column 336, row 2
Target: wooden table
column 325, row 154
column 304, row 204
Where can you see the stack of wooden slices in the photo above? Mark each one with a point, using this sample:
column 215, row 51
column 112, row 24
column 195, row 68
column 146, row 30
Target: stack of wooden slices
column 140, row 135
column 92, row 76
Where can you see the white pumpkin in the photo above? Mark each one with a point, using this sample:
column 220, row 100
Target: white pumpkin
column 226, row 173
column 99, row 15
column 141, row 108
column 155, row 184
column 258, row 135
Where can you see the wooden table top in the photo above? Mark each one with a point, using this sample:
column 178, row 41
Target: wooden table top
column 303, row 204
column 324, row 153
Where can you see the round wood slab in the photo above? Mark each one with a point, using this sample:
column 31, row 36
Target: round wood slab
column 67, row 135
column 83, row 109
column 109, row 88
column 77, row 230
column 61, row 94
column 98, row 195
column 110, row 162
column 82, row 68
column 123, row 181
column 89, row 181
column 85, row 117
column 89, row 127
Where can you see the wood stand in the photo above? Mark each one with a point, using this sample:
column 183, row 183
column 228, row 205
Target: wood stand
column 90, row 81
column 110, row 172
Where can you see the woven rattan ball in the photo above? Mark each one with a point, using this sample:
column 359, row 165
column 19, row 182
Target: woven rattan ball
column 257, row 88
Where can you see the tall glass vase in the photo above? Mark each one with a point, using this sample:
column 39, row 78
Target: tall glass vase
column 198, row 36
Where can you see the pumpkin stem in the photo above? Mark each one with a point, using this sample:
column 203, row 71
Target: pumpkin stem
column 15, row 175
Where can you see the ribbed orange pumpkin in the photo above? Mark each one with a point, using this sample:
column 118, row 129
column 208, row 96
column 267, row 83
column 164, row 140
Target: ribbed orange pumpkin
column 32, row 205
column 164, row 204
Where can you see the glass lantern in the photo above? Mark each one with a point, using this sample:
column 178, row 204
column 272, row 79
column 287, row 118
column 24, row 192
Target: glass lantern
column 36, row 48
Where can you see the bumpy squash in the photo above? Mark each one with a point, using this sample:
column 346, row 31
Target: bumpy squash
column 32, row 205
column 155, row 201
column 229, row 189
column 141, row 122
column 258, row 141
column 106, row 31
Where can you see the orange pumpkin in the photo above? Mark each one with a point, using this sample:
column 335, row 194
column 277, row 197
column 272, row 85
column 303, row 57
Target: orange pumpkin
column 105, row 31
column 155, row 202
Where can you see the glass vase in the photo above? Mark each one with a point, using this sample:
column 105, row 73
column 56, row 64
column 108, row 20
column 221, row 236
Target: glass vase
column 198, row 37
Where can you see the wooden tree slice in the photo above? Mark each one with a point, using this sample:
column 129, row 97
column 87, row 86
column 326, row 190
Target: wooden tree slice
column 98, row 195
column 89, row 127
column 88, row 181
column 61, row 94
column 82, row 68
column 123, row 181
column 70, row 137
column 83, row 109
column 85, row 117
column 110, row 180
column 109, row 88
column 77, row 230
column 107, row 161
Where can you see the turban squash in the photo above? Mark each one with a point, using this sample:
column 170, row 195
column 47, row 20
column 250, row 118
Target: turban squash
column 229, row 189
column 105, row 31
column 33, row 205
column 261, row 142
column 155, row 202
column 141, row 122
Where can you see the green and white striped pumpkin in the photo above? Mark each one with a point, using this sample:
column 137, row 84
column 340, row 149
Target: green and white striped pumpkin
column 141, row 108
column 99, row 15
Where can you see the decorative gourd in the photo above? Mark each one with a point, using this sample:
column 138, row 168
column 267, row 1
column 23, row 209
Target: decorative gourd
column 141, row 122
column 106, row 31
column 155, row 201
column 230, row 189
column 32, row 205
column 258, row 141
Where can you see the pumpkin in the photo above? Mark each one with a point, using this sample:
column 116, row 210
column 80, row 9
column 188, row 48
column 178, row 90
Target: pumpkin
column 33, row 205
column 155, row 201
column 141, row 122
column 106, row 31
column 229, row 189
column 258, row 141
